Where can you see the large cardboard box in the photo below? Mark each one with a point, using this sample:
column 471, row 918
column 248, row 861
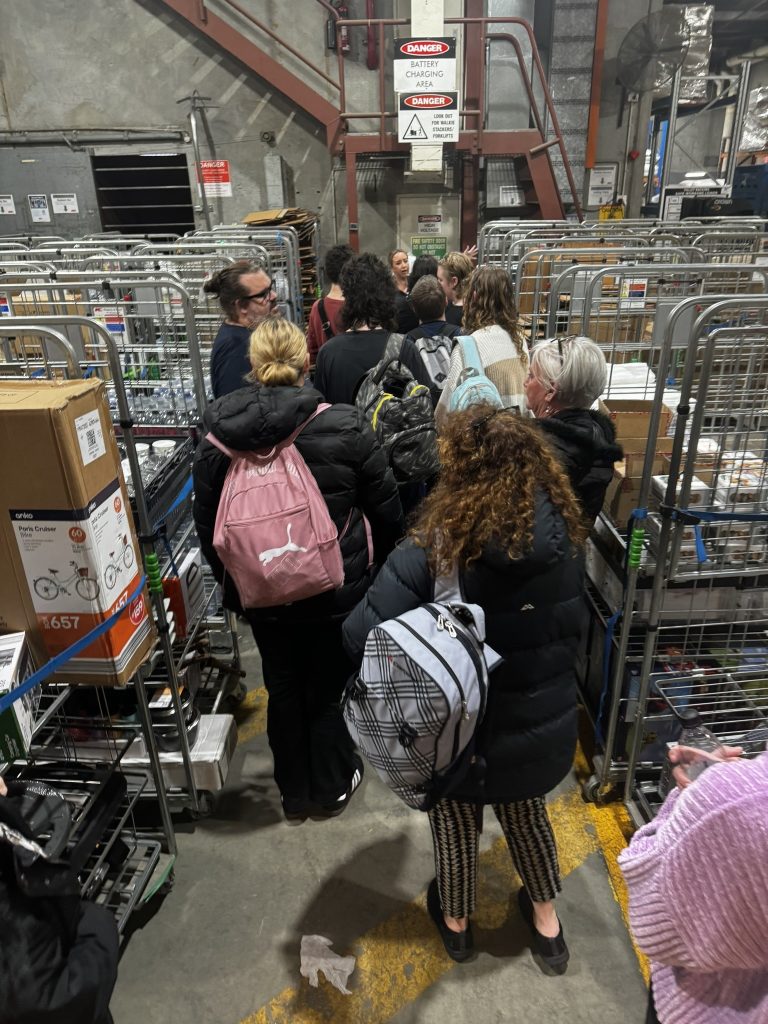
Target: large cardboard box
column 16, row 722
column 632, row 419
column 67, row 543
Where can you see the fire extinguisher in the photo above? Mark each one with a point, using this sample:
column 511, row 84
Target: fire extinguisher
column 330, row 28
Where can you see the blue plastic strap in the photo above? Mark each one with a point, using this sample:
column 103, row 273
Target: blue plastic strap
column 61, row 659
column 183, row 494
column 724, row 517
column 701, row 550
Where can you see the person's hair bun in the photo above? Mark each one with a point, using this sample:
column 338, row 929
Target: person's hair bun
column 212, row 284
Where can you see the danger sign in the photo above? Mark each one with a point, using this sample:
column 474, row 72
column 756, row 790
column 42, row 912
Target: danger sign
column 425, row 64
column 428, row 117
column 217, row 180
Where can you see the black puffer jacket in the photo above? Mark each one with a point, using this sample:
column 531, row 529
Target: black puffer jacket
column 585, row 442
column 534, row 616
column 342, row 455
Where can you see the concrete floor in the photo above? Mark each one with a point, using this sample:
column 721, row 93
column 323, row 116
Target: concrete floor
column 223, row 946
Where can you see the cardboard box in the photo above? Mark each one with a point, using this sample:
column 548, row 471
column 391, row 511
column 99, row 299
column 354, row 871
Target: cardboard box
column 211, row 755
column 632, row 419
column 699, row 493
column 16, row 722
column 66, row 530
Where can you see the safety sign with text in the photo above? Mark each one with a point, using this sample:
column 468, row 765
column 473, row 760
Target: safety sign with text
column 428, row 117
column 426, row 64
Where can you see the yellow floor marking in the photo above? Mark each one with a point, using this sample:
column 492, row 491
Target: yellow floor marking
column 401, row 957
column 251, row 715
column 613, row 828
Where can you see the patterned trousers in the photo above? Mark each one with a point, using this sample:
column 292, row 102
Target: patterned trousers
column 455, row 836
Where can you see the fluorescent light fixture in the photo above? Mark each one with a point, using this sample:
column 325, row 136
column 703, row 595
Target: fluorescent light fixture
column 158, row 154
column 696, row 174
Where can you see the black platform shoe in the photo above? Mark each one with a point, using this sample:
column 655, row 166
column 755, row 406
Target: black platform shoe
column 459, row 946
column 553, row 952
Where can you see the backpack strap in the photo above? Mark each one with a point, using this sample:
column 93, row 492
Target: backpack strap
column 415, row 335
column 325, row 323
column 232, row 453
column 393, row 353
column 470, row 353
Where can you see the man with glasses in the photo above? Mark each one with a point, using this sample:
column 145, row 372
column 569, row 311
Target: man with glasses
column 247, row 296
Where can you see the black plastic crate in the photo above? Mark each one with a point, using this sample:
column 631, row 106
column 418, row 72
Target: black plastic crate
column 164, row 488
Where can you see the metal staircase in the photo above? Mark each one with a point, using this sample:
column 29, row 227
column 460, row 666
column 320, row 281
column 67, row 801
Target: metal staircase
column 325, row 99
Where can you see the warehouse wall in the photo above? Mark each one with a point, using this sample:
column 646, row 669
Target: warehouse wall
column 127, row 63
column 613, row 145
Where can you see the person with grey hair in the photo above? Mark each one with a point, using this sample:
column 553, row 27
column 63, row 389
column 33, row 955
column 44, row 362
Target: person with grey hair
column 565, row 378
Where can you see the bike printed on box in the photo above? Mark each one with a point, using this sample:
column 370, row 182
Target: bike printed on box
column 80, row 563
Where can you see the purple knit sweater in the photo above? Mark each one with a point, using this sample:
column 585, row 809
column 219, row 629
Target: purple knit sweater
column 698, row 897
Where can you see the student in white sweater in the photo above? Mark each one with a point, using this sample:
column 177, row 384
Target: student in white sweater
column 490, row 316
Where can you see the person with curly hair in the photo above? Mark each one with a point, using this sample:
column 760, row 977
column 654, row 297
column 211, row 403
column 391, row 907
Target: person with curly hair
column 503, row 521
column 490, row 316
column 368, row 319
column 453, row 273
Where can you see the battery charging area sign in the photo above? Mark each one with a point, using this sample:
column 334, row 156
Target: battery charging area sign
column 428, row 117
column 426, row 64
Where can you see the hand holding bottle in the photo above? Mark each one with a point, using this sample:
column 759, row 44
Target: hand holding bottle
column 689, row 762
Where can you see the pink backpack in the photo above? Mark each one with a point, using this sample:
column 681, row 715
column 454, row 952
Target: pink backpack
column 273, row 533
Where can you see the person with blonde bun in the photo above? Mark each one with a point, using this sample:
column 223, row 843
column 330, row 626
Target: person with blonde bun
column 303, row 661
column 453, row 273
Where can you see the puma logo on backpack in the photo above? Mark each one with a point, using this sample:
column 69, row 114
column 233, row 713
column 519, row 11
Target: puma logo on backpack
column 273, row 533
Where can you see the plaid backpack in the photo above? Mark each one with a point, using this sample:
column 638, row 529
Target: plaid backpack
column 400, row 411
column 418, row 699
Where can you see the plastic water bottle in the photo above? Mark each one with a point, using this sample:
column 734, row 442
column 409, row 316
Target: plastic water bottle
column 695, row 734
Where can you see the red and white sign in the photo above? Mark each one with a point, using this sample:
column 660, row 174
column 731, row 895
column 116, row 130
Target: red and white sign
column 217, row 180
column 425, row 64
column 428, row 117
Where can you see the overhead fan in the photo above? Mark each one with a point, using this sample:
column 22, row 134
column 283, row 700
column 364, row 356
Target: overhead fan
column 653, row 50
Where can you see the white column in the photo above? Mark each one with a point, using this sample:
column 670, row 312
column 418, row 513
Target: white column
column 427, row 19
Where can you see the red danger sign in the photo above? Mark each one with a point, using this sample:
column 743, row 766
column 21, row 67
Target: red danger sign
column 425, row 48
column 429, row 101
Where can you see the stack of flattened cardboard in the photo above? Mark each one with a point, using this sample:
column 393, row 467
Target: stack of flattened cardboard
column 305, row 224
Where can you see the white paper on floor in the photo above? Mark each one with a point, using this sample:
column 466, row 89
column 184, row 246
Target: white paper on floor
column 317, row 955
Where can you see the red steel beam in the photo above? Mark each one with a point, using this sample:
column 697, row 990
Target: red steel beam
column 593, row 124
column 266, row 67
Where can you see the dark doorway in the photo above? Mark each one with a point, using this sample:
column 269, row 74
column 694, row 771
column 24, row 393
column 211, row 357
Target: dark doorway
column 144, row 193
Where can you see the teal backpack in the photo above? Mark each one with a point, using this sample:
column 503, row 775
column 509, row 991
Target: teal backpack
column 473, row 386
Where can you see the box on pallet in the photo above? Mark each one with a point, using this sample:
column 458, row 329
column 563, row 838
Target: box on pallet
column 66, row 531
column 17, row 721
column 632, row 419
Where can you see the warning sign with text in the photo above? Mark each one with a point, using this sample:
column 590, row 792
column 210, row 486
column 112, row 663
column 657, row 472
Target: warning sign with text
column 425, row 64
column 217, row 180
column 428, row 117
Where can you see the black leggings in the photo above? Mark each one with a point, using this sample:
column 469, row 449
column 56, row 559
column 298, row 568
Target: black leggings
column 305, row 670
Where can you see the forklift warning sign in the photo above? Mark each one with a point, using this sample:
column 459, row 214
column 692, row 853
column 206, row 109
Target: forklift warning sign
column 428, row 117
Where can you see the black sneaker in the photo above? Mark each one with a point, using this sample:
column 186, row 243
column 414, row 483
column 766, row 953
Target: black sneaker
column 460, row 946
column 337, row 808
column 553, row 952
column 295, row 810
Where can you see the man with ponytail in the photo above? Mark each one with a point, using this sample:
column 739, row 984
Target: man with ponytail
column 246, row 296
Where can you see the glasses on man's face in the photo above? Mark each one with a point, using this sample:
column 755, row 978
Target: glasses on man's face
column 259, row 296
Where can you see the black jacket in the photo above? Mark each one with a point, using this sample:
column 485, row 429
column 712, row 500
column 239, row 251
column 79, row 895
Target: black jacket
column 534, row 618
column 585, row 441
column 343, row 456
column 343, row 361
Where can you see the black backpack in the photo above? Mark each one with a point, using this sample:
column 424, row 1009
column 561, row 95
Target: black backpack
column 400, row 411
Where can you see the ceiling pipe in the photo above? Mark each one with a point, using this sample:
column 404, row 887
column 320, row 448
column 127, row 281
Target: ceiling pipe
column 759, row 54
